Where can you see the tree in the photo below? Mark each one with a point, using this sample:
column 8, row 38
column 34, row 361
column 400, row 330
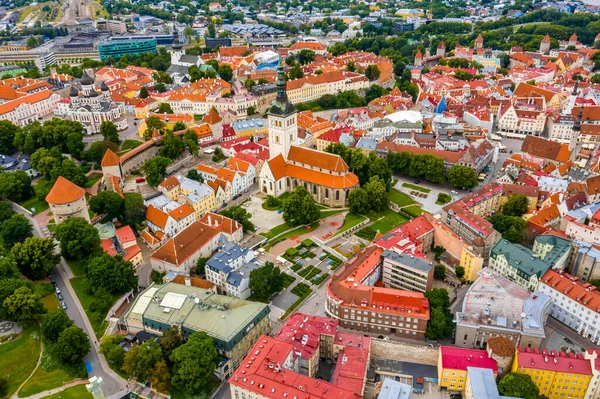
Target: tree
column 112, row 351
column 78, row 239
column 241, row 215
column 93, row 154
column 201, row 265
column 188, row 31
column 194, row 363
column 462, row 176
column 225, row 72
column 16, row 229
column 190, row 139
column 380, row 168
column 134, row 209
column 351, row 66
column 153, row 123
column 23, row 305
column 378, row 196
column 249, row 83
column 112, row 273
column 172, row 146
column 6, row 211
column 8, row 131
column 194, row 175
column 8, row 268
column 440, row 323
column 165, row 108
column 439, row 273
column 518, row 385
column 305, row 56
column 265, row 281
column 251, row 110
column 3, row 387
column 144, row 92
column 359, row 201
column 72, row 345
column 160, row 377
column 460, row 271
column 160, row 87
column 300, row 208
column 141, row 359
column 372, row 72
column 54, row 323
column 107, row 202
column 512, row 228
column 516, row 205
column 170, row 340
column 70, row 171
column 296, row 72
column 31, row 42
column 263, row 81
column 15, row 186
column 109, row 131
column 212, row 31
column 155, row 169
column 35, row 257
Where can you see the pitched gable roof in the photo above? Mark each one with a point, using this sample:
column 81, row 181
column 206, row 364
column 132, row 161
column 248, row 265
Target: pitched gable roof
column 110, row 159
column 319, row 159
column 185, row 244
column 546, row 149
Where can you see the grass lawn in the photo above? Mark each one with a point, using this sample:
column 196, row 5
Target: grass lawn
column 413, row 210
column 386, row 220
column 77, row 267
column 19, row 357
column 351, row 220
column 299, row 231
column 329, row 212
column 418, row 188
column 276, row 230
column 399, row 198
column 49, row 375
column 76, row 392
column 177, row 394
column 98, row 323
column 92, row 179
column 34, row 203
column 51, row 302
column 130, row 144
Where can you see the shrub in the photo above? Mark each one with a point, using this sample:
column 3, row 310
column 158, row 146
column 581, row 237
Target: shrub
column 307, row 243
column 291, row 252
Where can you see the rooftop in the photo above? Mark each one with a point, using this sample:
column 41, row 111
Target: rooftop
column 408, row 260
column 304, row 332
column 461, row 358
column 391, row 389
column 527, row 262
column 553, row 361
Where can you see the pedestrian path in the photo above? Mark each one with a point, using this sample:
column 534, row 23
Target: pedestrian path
column 276, row 312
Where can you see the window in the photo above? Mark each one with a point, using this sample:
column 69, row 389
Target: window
column 337, row 195
column 326, row 193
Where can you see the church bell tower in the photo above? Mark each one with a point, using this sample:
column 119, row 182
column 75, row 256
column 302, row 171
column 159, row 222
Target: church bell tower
column 283, row 119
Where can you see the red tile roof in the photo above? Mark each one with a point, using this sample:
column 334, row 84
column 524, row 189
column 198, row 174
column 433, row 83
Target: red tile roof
column 552, row 361
column 461, row 358
column 64, row 192
column 125, row 234
column 185, row 244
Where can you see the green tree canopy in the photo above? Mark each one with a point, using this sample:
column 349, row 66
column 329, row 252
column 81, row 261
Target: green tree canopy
column 78, row 239
column 16, row 229
column 134, row 209
column 165, row 108
column 372, row 72
column 358, row 201
column 109, row 131
column 300, row 208
column 225, row 72
column 170, row 340
column 265, row 281
column 194, row 363
column 378, row 196
column 23, row 305
column 72, row 345
column 112, row 273
column 172, row 146
column 35, row 257
column 516, row 205
column 241, row 215
column 155, row 169
column 141, row 359
column 107, row 202
column 8, row 131
column 462, row 176
column 54, row 323
column 518, row 385
column 15, row 186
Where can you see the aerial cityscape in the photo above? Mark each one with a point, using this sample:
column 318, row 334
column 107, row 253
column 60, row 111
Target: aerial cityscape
column 247, row 199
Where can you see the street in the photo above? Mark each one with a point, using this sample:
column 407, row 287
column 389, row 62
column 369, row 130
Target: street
column 112, row 383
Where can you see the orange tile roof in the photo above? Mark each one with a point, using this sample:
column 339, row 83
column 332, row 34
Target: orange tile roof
column 156, row 216
column 169, row 183
column 110, row 159
column 526, row 90
column 174, row 118
column 579, row 291
column 544, row 148
column 277, row 166
column 194, row 281
column 232, row 51
column 150, row 238
column 226, row 174
column 181, row 212
column 212, row 117
column 238, row 164
column 125, row 234
column 221, row 223
column 308, row 45
column 206, row 169
column 318, row 159
column 64, row 192
column 27, row 99
column 185, row 244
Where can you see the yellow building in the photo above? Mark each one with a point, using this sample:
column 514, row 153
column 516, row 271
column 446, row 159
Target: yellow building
column 200, row 197
column 472, row 262
column 453, row 362
column 168, row 119
column 557, row 375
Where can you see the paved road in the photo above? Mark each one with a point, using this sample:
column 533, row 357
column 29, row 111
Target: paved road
column 113, row 383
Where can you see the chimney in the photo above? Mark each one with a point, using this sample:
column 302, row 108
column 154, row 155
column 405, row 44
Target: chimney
column 209, row 221
column 188, row 282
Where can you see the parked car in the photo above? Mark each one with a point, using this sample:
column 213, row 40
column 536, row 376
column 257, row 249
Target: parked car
column 140, row 180
column 57, row 290
column 454, row 192
column 60, row 297
column 63, row 305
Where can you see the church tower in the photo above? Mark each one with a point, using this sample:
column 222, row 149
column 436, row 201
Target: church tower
column 283, row 119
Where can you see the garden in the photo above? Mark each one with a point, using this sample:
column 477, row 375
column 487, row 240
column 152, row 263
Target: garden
column 399, row 198
column 332, row 261
column 413, row 187
column 302, row 291
column 351, row 220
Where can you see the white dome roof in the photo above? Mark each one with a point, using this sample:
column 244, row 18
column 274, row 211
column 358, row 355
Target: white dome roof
column 408, row 116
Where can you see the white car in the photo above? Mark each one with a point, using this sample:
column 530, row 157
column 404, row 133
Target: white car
column 454, row 192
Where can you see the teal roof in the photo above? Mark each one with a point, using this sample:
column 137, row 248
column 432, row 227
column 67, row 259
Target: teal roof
column 560, row 247
column 221, row 317
column 527, row 262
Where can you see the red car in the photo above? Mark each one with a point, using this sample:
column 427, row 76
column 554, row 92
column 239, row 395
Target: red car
column 140, row 180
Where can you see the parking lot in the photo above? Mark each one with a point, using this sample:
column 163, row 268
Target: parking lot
column 265, row 220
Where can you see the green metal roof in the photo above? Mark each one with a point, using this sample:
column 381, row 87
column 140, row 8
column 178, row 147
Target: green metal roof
column 220, row 316
column 527, row 262
column 559, row 247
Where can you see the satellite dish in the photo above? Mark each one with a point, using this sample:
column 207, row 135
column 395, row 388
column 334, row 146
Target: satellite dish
column 196, row 300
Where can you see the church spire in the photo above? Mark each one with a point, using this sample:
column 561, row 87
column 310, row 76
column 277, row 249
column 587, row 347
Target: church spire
column 281, row 105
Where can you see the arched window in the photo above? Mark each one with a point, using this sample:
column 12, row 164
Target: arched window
column 337, row 195
column 314, row 189
column 305, row 185
column 326, row 193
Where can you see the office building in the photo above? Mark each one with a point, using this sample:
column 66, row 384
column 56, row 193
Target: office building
column 118, row 48
column 407, row 272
